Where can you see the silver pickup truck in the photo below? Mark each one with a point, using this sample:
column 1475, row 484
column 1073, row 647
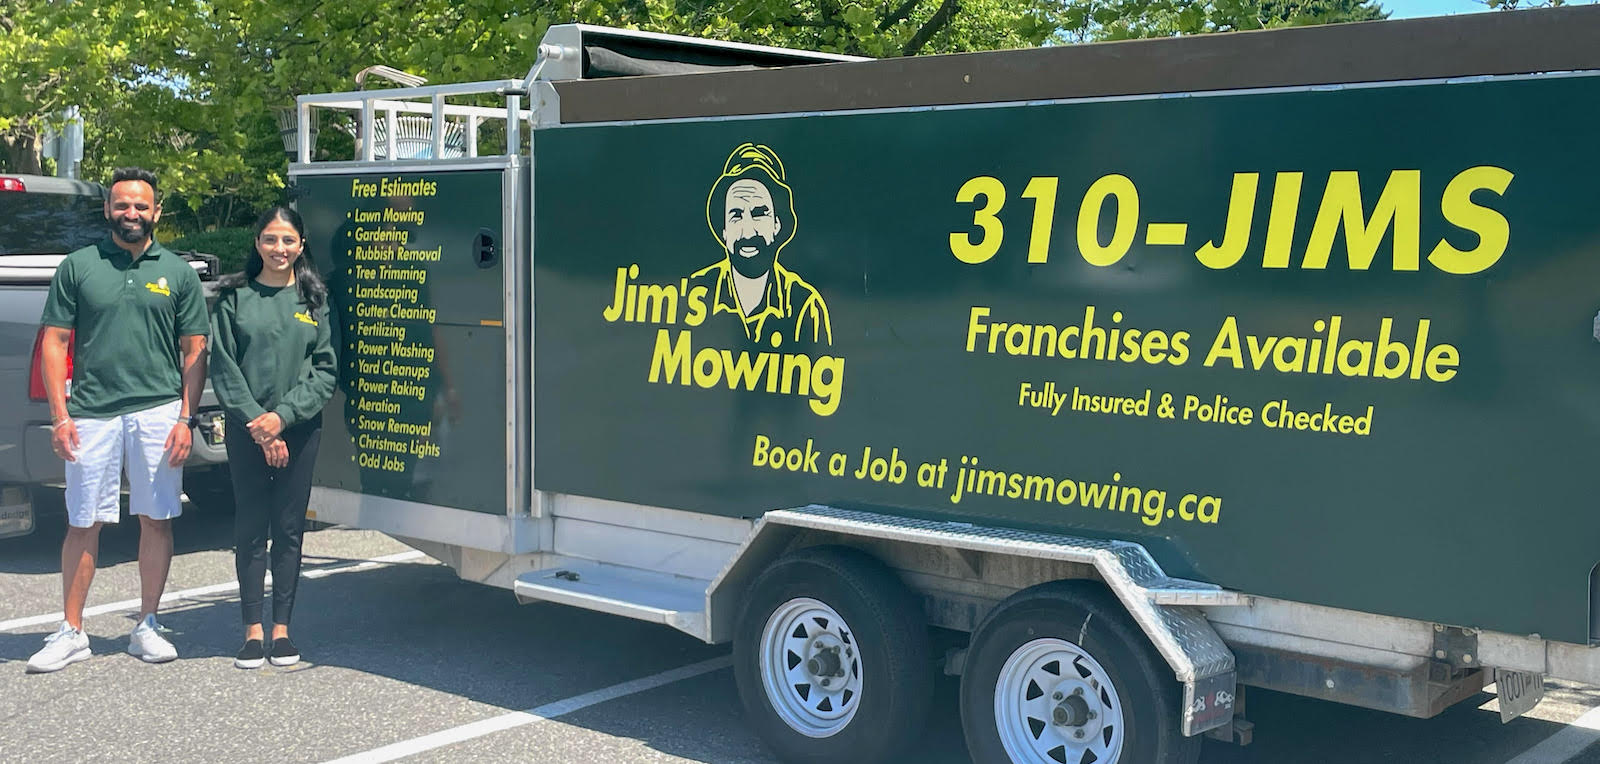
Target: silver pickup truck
column 41, row 220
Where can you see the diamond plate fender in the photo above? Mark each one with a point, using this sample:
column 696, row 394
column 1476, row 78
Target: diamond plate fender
column 1163, row 607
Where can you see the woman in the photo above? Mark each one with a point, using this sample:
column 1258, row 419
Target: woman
column 272, row 367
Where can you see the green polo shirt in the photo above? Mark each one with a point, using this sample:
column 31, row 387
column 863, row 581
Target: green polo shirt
column 128, row 315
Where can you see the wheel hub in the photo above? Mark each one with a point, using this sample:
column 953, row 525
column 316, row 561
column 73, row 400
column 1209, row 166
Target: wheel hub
column 1072, row 712
column 1077, row 710
column 825, row 659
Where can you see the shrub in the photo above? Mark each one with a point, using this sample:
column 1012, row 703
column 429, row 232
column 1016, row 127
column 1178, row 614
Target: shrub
column 228, row 244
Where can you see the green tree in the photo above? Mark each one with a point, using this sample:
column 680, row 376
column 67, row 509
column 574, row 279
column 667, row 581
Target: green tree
column 141, row 101
column 1126, row 19
column 1517, row 5
column 1276, row 13
column 58, row 54
column 190, row 87
column 193, row 87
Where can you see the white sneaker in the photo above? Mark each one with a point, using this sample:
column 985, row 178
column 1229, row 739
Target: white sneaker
column 61, row 649
column 147, row 644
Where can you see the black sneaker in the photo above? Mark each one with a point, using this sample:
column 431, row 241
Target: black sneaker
column 252, row 655
column 284, row 653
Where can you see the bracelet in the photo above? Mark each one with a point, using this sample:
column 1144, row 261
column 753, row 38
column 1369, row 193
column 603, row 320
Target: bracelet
column 57, row 424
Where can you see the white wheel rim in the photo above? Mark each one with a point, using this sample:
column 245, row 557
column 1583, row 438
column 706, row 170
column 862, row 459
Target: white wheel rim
column 1055, row 704
column 804, row 645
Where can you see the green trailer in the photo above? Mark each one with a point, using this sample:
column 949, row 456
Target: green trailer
column 1154, row 370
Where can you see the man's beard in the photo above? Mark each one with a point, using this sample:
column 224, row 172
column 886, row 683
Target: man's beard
column 757, row 265
column 134, row 235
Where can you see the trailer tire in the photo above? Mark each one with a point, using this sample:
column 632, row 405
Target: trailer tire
column 1021, row 702
column 838, row 614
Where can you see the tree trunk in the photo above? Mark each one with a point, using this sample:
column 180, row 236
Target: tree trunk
column 23, row 151
column 941, row 19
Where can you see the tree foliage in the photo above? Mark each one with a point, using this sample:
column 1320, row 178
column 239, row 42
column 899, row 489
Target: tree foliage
column 1127, row 19
column 192, row 87
column 58, row 54
column 1517, row 5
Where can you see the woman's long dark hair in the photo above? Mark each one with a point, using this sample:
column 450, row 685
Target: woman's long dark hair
column 312, row 291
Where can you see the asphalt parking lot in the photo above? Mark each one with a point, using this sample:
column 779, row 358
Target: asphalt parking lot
column 405, row 661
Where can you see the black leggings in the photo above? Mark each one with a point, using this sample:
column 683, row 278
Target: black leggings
column 269, row 498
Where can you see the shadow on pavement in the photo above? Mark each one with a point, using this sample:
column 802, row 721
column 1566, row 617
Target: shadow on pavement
column 419, row 625
column 17, row 647
column 1292, row 729
column 40, row 552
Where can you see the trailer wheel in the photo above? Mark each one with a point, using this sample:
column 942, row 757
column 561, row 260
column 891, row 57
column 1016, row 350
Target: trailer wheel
column 831, row 659
column 1060, row 675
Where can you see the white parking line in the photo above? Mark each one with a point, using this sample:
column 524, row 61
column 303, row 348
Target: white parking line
column 204, row 591
column 541, row 713
column 1581, row 733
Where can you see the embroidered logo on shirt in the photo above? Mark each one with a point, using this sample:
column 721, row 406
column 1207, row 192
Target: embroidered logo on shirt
column 305, row 318
column 159, row 287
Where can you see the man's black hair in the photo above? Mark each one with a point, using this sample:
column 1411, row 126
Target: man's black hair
column 135, row 173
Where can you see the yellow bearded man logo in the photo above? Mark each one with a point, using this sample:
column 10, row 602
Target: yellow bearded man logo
column 751, row 215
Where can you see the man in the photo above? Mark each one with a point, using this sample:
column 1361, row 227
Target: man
column 135, row 316
column 751, row 214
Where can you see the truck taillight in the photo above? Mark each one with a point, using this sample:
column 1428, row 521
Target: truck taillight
column 12, row 184
column 36, row 375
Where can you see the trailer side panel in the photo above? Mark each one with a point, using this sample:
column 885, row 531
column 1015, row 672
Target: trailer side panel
column 1325, row 345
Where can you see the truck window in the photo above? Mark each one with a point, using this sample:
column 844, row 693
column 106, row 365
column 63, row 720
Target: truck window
column 44, row 224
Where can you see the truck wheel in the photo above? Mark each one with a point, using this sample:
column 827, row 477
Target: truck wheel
column 1060, row 675
column 831, row 659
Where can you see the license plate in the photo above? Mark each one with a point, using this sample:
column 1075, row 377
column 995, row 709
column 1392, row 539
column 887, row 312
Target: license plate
column 16, row 520
column 1519, row 692
column 211, row 427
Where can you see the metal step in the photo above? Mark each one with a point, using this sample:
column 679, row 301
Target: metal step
column 661, row 598
column 1165, row 590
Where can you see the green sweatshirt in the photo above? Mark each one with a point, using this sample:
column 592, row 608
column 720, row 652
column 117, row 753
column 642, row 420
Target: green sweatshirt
column 269, row 353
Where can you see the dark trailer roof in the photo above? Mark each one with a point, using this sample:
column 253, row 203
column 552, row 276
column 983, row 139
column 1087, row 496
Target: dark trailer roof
column 1504, row 43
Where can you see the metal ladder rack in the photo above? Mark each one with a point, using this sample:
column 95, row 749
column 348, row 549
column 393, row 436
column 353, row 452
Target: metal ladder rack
column 450, row 127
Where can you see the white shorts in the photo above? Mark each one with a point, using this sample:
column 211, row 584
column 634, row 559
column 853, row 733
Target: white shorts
column 138, row 441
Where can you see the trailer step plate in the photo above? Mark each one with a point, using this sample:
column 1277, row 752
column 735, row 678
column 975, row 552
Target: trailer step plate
column 641, row 594
column 1519, row 692
column 1172, row 593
